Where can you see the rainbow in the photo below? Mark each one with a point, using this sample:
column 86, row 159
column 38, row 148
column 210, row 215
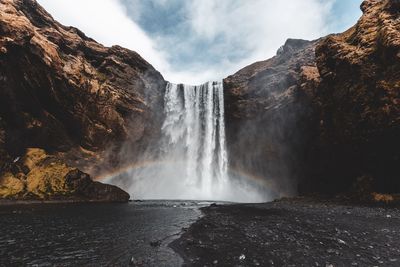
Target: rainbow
column 244, row 175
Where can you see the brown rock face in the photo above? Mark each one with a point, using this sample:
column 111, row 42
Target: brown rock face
column 267, row 114
column 39, row 176
column 323, row 113
column 89, row 106
column 321, row 116
column 65, row 93
column 359, row 98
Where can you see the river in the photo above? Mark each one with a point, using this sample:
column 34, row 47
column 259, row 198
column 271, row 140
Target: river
column 133, row 234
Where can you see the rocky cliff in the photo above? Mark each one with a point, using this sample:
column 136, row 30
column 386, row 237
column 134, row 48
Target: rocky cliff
column 320, row 117
column 39, row 176
column 359, row 103
column 268, row 114
column 63, row 92
column 326, row 112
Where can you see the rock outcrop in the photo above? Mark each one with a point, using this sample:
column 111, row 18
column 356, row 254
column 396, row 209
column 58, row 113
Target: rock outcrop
column 359, row 103
column 39, row 176
column 321, row 116
column 268, row 107
column 63, row 92
column 324, row 114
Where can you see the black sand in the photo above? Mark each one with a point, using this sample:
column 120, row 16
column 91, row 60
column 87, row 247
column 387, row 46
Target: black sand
column 297, row 232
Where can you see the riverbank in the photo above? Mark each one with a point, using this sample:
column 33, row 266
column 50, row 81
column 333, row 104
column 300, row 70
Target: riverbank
column 293, row 232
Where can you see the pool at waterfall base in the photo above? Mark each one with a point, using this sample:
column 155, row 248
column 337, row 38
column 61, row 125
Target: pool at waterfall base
column 136, row 234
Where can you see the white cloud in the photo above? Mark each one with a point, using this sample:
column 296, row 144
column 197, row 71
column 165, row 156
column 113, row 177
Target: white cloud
column 106, row 21
column 256, row 26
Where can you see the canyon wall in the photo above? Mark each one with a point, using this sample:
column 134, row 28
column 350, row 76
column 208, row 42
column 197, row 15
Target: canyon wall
column 320, row 117
column 359, row 103
column 323, row 116
column 268, row 114
column 63, row 92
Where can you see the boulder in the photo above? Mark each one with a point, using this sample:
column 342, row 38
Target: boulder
column 39, row 176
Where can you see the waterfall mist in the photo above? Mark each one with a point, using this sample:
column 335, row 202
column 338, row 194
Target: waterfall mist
column 191, row 160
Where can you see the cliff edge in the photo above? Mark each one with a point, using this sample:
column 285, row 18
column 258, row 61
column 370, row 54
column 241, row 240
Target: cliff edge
column 325, row 113
column 65, row 94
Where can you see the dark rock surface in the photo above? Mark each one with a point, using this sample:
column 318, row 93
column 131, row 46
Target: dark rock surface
column 323, row 116
column 359, row 104
column 269, row 113
column 89, row 106
column 65, row 93
column 296, row 232
column 320, row 117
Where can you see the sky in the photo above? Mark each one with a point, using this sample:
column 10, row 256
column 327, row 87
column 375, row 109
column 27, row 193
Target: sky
column 194, row 41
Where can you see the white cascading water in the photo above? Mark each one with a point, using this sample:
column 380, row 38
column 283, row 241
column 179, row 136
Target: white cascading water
column 192, row 162
column 194, row 133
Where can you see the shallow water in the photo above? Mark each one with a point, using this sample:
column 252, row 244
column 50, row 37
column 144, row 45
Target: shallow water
column 94, row 234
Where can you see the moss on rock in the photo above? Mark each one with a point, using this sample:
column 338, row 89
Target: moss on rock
column 40, row 176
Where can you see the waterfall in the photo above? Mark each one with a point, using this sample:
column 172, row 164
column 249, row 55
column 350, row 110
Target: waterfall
column 194, row 133
column 190, row 160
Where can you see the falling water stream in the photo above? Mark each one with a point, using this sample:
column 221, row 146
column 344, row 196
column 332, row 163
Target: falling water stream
column 192, row 160
column 194, row 134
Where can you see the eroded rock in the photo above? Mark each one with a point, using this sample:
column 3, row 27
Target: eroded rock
column 66, row 93
column 321, row 114
column 39, row 176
